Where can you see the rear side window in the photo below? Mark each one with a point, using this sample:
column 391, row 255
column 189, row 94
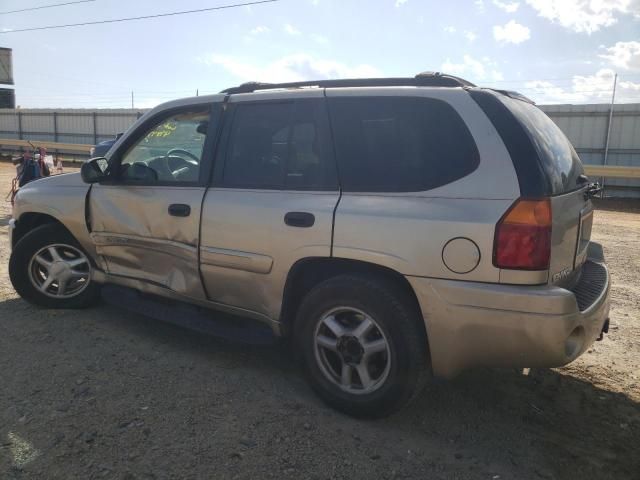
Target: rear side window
column 280, row 145
column 557, row 156
column 400, row 144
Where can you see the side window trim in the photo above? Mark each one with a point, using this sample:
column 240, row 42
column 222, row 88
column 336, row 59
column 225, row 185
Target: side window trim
column 223, row 144
column 206, row 159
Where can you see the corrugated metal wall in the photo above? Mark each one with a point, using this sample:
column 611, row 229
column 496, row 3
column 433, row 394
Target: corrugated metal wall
column 66, row 125
column 585, row 125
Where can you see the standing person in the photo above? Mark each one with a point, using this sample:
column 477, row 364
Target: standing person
column 42, row 164
column 59, row 167
column 28, row 168
column 20, row 161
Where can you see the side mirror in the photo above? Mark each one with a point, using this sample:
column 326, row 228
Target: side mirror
column 95, row 170
column 203, row 127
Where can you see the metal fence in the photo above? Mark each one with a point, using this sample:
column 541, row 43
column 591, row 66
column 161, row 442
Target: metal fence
column 66, row 125
column 587, row 126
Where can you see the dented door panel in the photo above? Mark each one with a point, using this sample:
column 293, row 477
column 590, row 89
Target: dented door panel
column 134, row 233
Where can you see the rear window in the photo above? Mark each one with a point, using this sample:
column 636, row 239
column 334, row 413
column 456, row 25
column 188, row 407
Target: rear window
column 557, row 156
column 400, row 144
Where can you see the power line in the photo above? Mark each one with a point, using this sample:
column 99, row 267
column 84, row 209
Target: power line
column 45, row 6
column 184, row 12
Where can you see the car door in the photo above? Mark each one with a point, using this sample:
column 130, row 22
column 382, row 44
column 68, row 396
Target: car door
column 145, row 223
column 272, row 200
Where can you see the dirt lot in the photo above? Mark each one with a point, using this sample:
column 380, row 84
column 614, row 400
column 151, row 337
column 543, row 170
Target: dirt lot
column 107, row 394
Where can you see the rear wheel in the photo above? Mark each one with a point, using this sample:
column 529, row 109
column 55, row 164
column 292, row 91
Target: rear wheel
column 49, row 268
column 362, row 345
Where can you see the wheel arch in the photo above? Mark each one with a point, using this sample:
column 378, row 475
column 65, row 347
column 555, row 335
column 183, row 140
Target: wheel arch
column 27, row 221
column 309, row 272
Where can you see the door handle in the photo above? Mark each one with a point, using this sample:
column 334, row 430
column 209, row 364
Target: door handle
column 179, row 210
column 300, row 219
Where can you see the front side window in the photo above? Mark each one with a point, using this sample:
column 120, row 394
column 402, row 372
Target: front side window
column 170, row 151
column 400, row 144
column 279, row 146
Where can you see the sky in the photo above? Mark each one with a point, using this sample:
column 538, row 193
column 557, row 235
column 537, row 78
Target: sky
column 553, row 51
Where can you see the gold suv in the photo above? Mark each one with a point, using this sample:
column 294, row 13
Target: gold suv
column 392, row 228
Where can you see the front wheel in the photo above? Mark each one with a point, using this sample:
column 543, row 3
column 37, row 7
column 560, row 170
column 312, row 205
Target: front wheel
column 49, row 268
column 362, row 344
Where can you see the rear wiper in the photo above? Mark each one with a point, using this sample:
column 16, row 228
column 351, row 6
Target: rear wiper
column 592, row 190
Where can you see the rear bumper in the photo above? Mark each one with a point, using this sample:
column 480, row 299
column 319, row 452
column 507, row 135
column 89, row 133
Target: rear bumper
column 473, row 324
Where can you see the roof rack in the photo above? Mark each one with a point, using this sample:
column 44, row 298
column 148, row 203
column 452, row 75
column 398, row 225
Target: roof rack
column 424, row 79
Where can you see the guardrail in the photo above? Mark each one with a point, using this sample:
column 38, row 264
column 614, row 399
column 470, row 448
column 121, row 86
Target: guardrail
column 612, row 171
column 67, row 147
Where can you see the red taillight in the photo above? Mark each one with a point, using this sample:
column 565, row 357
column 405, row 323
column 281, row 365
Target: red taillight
column 523, row 236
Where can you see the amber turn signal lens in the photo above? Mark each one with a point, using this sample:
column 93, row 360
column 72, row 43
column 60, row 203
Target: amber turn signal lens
column 523, row 236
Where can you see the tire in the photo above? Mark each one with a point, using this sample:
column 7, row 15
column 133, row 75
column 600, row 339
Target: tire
column 396, row 373
column 26, row 273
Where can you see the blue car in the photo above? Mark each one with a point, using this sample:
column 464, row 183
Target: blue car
column 101, row 149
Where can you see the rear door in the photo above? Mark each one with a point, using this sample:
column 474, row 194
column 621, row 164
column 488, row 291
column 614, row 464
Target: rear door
column 272, row 199
column 572, row 211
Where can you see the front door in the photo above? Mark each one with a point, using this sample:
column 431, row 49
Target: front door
column 145, row 224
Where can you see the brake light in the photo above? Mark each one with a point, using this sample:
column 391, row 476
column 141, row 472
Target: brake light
column 523, row 236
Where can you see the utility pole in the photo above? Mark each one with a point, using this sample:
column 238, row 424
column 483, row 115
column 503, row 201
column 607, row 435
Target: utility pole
column 606, row 143
column 132, row 107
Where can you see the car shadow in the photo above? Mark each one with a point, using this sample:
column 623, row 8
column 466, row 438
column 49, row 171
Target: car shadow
column 487, row 423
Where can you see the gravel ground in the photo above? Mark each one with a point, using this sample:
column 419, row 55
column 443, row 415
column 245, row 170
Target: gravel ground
column 103, row 393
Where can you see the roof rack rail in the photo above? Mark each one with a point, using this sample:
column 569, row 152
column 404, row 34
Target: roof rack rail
column 424, row 79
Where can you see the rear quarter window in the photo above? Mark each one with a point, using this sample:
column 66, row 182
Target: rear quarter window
column 400, row 144
column 557, row 157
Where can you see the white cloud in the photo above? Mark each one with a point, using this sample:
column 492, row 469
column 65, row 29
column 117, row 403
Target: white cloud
column 450, row 29
column 479, row 4
column 547, row 92
column 630, row 86
column 291, row 30
column 510, row 7
column 291, row 68
column 399, row 3
column 477, row 70
column 260, row 29
column 511, row 32
column 596, row 88
column 624, row 55
column 599, row 84
column 470, row 36
column 319, row 39
column 582, row 15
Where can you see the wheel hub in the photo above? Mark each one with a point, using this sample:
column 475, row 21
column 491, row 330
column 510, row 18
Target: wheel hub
column 351, row 350
column 59, row 271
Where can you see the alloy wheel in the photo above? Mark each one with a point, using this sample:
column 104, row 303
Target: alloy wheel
column 352, row 351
